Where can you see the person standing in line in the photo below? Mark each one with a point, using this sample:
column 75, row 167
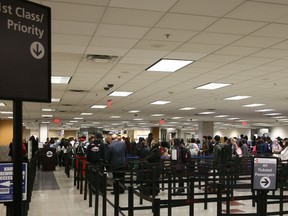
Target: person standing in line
column 10, row 154
column 117, row 160
column 96, row 150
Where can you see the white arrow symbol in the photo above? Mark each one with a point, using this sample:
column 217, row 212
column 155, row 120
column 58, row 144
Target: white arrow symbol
column 37, row 50
column 6, row 184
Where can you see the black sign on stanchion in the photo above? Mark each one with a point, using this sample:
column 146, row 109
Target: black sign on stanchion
column 25, row 42
column 25, row 67
column 264, row 179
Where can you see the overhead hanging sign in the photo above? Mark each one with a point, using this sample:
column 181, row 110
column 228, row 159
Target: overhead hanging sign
column 25, row 41
column 6, row 182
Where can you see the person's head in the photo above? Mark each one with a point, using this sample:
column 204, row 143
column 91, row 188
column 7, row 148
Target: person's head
column 91, row 139
column 114, row 137
column 98, row 136
column 155, row 143
column 177, row 142
column 217, row 138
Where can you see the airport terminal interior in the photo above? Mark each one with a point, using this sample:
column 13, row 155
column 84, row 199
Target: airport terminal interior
column 174, row 68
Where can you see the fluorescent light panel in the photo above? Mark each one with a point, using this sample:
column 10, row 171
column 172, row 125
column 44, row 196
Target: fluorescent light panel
column 187, row 108
column 98, row 106
column 6, row 112
column 47, row 116
column 221, row 116
column 115, row 116
column 157, row 115
column 169, row 65
column 206, row 113
column 86, row 114
column 213, row 86
column 48, row 110
column 120, row 93
column 253, row 105
column 273, row 114
column 134, row 111
column 160, row 102
column 238, row 97
column 56, row 99
column 60, row 80
column 2, row 104
column 264, row 110
column 78, row 118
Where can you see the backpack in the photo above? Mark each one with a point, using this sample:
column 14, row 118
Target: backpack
column 183, row 156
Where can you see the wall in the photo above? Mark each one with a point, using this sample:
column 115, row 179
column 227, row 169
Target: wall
column 279, row 131
column 6, row 132
column 235, row 132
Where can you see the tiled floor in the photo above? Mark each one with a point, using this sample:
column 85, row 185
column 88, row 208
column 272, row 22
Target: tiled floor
column 53, row 196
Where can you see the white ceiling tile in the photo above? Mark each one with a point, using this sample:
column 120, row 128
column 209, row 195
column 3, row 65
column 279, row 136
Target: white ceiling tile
column 76, row 12
column 252, row 41
column 169, row 34
column 258, row 11
column 198, row 48
column 273, row 30
column 68, row 48
column 215, row 38
column 131, row 17
column 200, row 7
column 271, row 53
column 159, row 5
column 185, row 22
column 71, row 39
column 185, row 55
column 113, row 42
column 283, row 45
column 87, row 2
column 237, row 51
column 220, row 58
column 254, row 60
column 77, row 28
column 233, row 26
column 133, row 32
column 157, row 45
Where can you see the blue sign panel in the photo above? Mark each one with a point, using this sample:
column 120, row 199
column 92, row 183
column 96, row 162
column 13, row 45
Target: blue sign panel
column 6, row 182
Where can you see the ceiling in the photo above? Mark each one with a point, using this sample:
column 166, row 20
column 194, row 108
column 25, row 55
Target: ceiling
column 239, row 42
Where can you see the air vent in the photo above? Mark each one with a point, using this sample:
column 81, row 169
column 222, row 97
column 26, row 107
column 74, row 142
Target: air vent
column 104, row 59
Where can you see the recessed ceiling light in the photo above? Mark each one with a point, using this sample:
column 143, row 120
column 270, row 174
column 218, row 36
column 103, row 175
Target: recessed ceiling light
column 264, row 110
column 273, row 114
column 56, row 99
column 232, row 118
column 95, row 122
column 213, row 86
column 60, row 80
column 187, row 108
column 253, row 105
column 6, row 112
column 45, row 122
column 238, row 97
column 98, row 106
column 120, row 93
column 172, row 122
column 86, row 114
column 205, row 113
column 69, row 123
column 221, row 116
column 47, row 116
column 48, row 110
column 169, row 65
column 115, row 116
column 279, row 117
column 10, row 117
column 74, row 121
column 138, row 119
column 134, row 111
column 2, row 104
column 160, row 102
column 176, row 117
column 157, row 115
column 78, row 118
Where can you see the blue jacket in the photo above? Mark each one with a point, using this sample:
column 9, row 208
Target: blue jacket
column 118, row 153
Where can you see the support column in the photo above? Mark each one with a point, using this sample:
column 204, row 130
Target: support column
column 205, row 129
column 156, row 132
column 43, row 132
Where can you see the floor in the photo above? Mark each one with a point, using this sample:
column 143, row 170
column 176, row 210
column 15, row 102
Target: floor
column 55, row 194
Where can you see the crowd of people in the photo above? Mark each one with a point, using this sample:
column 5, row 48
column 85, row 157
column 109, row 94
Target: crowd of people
column 113, row 150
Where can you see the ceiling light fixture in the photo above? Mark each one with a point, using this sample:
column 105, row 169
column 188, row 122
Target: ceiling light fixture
column 120, row 93
column 238, row 97
column 253, row 105
column 98, row 106
column 160, row 102
column 60, row 80
column 169, row 65
column 187, row 108
column 212, row 86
